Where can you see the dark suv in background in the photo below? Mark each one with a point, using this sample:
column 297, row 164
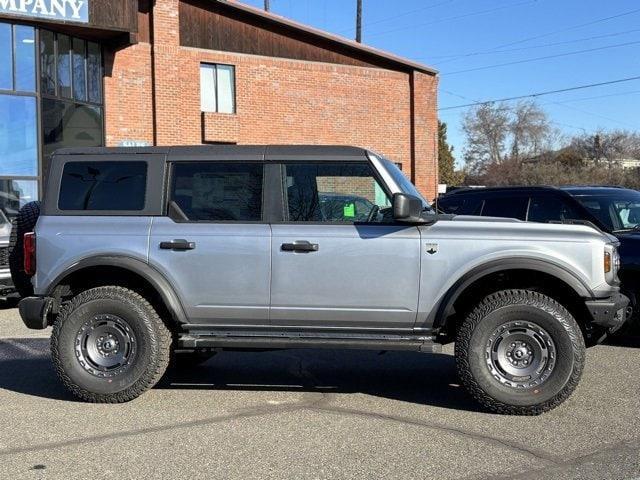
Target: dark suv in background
column 614, row 210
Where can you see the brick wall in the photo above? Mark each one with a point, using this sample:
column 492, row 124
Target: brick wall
column 278, row 101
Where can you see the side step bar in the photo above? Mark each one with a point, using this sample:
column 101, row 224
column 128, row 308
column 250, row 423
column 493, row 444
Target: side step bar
column 262, row 340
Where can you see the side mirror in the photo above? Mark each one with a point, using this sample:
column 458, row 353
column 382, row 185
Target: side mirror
column 407, row 208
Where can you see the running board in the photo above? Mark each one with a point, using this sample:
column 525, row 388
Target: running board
column 262, row 340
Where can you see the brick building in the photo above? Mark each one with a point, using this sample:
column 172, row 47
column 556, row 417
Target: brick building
column 171, row 72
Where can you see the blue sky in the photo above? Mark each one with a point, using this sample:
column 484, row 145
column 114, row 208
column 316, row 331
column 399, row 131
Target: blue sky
column 455, row 35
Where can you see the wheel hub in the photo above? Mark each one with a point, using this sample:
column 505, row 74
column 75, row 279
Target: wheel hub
column 520, row 354
column 105, row 345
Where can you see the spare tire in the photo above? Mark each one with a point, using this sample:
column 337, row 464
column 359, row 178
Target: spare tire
column 24, row 222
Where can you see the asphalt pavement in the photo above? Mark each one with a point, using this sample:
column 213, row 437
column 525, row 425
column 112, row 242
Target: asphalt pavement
column 312, row 414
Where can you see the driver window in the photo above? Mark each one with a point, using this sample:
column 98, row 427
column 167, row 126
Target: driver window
column 335, row 192
column 216, row 191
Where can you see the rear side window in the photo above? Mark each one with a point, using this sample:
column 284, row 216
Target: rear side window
column 215, row 191
column 550, row 209
column 460, row 205
column 506, row 207
column 109, row 186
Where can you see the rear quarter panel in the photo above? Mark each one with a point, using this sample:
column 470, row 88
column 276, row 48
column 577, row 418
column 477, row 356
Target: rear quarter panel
column 63, row 241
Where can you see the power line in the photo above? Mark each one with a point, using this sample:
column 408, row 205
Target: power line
column 400, row 15
column 448, row 58
column 586, row 112
column 619, row 94
column 537, row 59
column 541, row 94
column 457, row 17
column 553, row 32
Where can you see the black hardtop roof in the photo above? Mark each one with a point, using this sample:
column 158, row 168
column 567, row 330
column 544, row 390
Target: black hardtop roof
column 227, row 152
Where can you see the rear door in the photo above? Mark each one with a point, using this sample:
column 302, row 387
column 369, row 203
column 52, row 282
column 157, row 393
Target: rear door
column 213, row 245
column 338, row 258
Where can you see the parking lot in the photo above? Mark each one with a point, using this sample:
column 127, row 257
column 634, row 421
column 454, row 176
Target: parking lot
column 312, row 414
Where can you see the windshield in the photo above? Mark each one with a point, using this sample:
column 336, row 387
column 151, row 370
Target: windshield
column 404, row 183
column 618, row 212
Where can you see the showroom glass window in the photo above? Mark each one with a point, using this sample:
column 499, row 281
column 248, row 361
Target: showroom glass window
column 71, row 83
column 18, row 117
column 61, row 108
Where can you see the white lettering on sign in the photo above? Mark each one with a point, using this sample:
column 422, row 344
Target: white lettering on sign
column 69, row 10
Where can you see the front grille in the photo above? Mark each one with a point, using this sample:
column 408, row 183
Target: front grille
column 4, row 257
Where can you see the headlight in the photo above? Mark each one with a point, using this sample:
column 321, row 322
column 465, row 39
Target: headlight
column 611, row 264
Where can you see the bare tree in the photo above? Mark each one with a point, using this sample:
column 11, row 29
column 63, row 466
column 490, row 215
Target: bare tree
column 530, row 131
column 487, row 128
column 607, row 147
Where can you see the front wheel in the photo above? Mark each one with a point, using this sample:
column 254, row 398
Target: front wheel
column 520, row 352
column 109, row 345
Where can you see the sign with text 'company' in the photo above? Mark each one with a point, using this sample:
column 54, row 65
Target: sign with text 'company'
column 63, row 10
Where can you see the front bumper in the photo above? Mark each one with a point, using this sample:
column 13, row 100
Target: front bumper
column 35, row 311
column 610, row 313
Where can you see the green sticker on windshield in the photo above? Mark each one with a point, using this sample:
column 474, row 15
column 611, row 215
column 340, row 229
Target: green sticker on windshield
column 350, row 210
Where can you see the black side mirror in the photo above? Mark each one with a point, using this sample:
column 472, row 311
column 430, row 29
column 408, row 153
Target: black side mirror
column 407, row 208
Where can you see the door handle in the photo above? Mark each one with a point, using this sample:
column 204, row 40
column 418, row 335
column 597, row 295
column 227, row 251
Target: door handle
column 300, row 246
column 178, row 245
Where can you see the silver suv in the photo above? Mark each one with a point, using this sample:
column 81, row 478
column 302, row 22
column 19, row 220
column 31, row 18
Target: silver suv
column 143, row 254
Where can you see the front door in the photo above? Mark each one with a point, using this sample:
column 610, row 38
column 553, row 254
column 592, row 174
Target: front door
column 213, row 246
column 339, row 260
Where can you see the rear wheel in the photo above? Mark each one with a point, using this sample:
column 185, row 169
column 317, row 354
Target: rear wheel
column 24, row 222
column 109, row 345
column 520, row 352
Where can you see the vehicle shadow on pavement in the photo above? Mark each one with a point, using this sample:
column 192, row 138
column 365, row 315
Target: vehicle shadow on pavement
column 420, row 378
column 626, row 341
column 25, row 367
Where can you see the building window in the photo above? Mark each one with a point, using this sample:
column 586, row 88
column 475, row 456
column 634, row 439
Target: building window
column 71, row 85
column 217, row 88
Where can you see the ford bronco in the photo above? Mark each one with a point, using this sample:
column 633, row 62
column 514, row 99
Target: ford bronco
column 141, row 254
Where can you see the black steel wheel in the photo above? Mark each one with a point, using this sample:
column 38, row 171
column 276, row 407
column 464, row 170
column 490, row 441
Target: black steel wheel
column 109, row 345
column 520, row 352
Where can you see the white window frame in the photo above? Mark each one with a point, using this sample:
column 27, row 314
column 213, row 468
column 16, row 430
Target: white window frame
column 216, row 89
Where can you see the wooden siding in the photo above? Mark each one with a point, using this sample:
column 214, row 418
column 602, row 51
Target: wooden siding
column 114, row 14
column 214, row 26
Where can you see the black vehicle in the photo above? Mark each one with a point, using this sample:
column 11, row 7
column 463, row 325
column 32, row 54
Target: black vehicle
column 614, row 210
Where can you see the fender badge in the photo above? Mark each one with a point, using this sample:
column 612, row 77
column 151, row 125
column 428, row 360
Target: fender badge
column 432, row 248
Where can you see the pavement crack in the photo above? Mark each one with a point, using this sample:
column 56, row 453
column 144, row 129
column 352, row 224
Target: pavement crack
column 550, row 460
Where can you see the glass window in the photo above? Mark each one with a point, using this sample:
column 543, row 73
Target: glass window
column 79, row 77
column 548, row 208
column 66, row 124
column 506, row 207
column 64, row 66
column 218, row 191
column 226, row 94
column 94, row 72
column 25, row 60
column 335, row 192
column 47, row 63
column 6, row 64
column 217, row 88
column 103, row 186
column 18, row 136
column 16, row 193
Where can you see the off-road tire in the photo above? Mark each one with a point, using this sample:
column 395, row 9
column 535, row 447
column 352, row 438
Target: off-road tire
column 24, row 222
column 152, row 339
column 530, row 307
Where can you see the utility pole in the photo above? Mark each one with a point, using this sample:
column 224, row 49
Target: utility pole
column 266, row 5
column 359, row 22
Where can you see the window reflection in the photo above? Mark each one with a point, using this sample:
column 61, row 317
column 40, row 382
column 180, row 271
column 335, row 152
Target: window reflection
column 64, row 66
column 15, row 193
column 79, row 80
column 65, row 124
column 25, row 58
column 18, row 136
column 47, row 63
column 6, row 65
